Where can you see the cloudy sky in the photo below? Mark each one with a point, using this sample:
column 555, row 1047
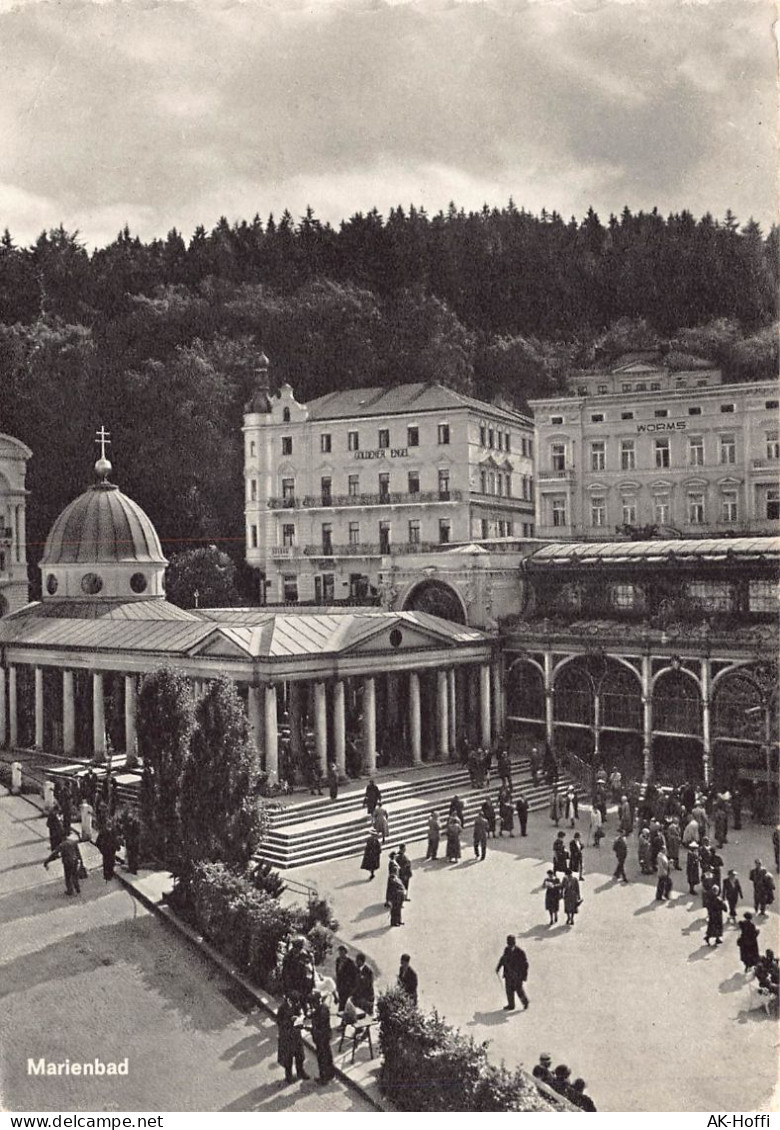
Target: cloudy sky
column 162, row 113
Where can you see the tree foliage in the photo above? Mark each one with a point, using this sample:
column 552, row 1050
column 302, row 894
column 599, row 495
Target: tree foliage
column 203, row 578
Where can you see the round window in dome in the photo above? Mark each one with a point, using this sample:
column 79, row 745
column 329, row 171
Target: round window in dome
column 52, row 584
column 138, row 582
column 91, row 583
column 396, row 637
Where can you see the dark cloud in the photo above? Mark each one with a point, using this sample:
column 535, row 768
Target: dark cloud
column 173, row 113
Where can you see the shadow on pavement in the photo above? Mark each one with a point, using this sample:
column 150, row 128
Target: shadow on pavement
column 733, row 983
column 42, row 899
column 370, row 911
column 490, row 1019
column 277, row 1096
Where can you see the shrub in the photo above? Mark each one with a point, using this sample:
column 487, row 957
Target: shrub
column 427, row 1065
column 265, row 878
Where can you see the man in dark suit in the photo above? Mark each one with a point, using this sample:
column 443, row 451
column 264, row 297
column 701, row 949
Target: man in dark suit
column 346, row 976
column 521, row 804
column 515, row 965
column 407, row 978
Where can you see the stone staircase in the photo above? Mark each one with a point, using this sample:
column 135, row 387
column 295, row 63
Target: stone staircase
column 318, row 829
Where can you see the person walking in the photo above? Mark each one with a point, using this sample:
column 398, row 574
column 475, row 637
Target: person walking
column 434, row 835
column 692, row 870
column 554, row 811
column 321, row 1035
column 625, row 816
column 381, row 823
column 514, row 963
column 521, row 807
column 346, row 976
column 72, row 863
column 560, row 855
column 404, row 868
column 364, row 994
column 732, row 893
column 489, row 812
column 691, row 833
column 456, row 807
column 333, row 781
column 643, row 851
column 397, row 897
column 480, row 836
column 595, row 830
column 720, row 824
column 372, row 853
column 372, row 796
column 290, row 1050
column 392, row 873
column 620, row 848
column 454, row 829
column 407, row 978
column 54, row 825
column 747, row 941
column 107, row 843
column 715, row 907
column 571, row 897
column 763, row 887
column 663, row 887
column 673, row 842
column 552, row 896
column 505, row 811
column 575, row 856
column 570, row 806
column 535, row 760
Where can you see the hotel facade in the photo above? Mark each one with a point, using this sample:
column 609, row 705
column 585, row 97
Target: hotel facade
column 643, row 446
column 340, row 488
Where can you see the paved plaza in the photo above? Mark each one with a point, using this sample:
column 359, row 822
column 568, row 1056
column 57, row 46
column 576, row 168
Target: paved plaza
column 630, row 997
column 99, row 976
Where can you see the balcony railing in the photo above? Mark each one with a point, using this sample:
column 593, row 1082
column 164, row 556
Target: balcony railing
column 374, row 549
column 383, row 498
column 567, row 473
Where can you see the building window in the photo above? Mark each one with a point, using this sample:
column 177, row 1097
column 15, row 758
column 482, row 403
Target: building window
column 641, row 387
column 773, row 446
column 597, row 418
column 728, row 506
column 286, row 445
column 507, row 442
column 491, row 439
column 530, row 449
column 602, row 388
column 325, row 443
column 324, row 588
column 598, row 510
column 510, row 528
column 661, row 509
column 556, row 419
column 482, row 435
column 508, row 485
column 253, row 536
column 626, row 415
column 558, row 456
column 253, row 490
column 696, row 508
column 694, row 410
column 353, row 441
column 252, row 449
column 501, row 528
column 662, row 452
column 696, row 451
column 384, row 486
column 773, row 503
column 558, row 506
column 500, row 484
column 655, row 386
column 445, row 531
column 288, row 535
column 483, row 482
column 444, row 433
column 414, row 482
column 327, row 538
column 383, row 440
column 582, row 390
column 354, row 533
column 353, row 485
column 598, row 455
column 288, row 490
column 500, row 440
column 414, row 531
column 628, row 510
column 727, row 407
column 626, row 388
column 623, row 596
column 523, row 450
column 627, row 455
column 384, row 537
column 444, row 486
column 289, row 588
column 325, row 491
column 773, row 404
column 728, row 449
column 714, row 596
column 491, row 483
column 413, row 436
column 661, row 413
column 285, row 415
column 763, row 596
column 485, row 527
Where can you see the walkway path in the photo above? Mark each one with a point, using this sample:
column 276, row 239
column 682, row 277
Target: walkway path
column 98, row 976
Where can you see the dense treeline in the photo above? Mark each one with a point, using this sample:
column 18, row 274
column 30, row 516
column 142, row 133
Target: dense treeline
column 159, row 340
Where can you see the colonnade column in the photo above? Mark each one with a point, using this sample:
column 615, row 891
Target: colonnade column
column 254, row 714
column 443, row 730
column 706, row 732
column 452, row 715
column 38, row 742
column 548, row 698
column 3, row 709
column 68, row 712
column 271, row 735
column 369, row 724
column 497, row 684
column 415, row 734
column 484, row 705
column 131, row 702
column 647, row 720
column 339, row 729
column 98, row 715
column 13, row 714
column 321, row 725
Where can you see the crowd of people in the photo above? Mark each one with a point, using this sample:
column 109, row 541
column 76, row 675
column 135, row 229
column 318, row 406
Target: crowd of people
column 559, row 1078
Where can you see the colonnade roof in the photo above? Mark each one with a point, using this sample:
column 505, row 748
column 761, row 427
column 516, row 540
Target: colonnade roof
column 688, row 550
column 243, row 633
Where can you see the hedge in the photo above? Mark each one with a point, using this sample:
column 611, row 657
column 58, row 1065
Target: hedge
column 247, row 924
column 428, row 1065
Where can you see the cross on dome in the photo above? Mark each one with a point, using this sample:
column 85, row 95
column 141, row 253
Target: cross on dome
column 103, row 465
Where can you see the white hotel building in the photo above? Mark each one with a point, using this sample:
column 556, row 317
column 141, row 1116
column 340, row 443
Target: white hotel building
column 338, row 488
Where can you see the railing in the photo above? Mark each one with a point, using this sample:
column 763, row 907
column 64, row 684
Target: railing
column 383, row 498
column 372, row 549
column 567, row 473
column 282, row 550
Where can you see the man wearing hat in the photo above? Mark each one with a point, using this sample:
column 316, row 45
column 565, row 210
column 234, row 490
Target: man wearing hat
column 542, row 1070
column 515, row 965
column 321, row 1034
column 732, row 893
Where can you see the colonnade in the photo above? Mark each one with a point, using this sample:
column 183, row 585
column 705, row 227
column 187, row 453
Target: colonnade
column 327, row 698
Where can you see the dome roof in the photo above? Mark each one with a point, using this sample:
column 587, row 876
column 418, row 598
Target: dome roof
column 103, row 525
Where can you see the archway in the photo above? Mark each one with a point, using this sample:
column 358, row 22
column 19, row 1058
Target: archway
column 438, row 599
column 677, row 728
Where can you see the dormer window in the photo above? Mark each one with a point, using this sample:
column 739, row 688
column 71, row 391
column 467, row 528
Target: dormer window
column 286, row 415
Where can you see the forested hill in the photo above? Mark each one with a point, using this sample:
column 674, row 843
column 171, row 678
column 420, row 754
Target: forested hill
column 158, row 340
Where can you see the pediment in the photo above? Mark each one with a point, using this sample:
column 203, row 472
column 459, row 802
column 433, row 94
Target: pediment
column 396, row 635
column 221, row 643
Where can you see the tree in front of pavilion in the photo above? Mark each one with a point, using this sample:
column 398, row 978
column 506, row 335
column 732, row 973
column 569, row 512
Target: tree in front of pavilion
column 166, row 724
column 222, row 820
column 202, row 577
